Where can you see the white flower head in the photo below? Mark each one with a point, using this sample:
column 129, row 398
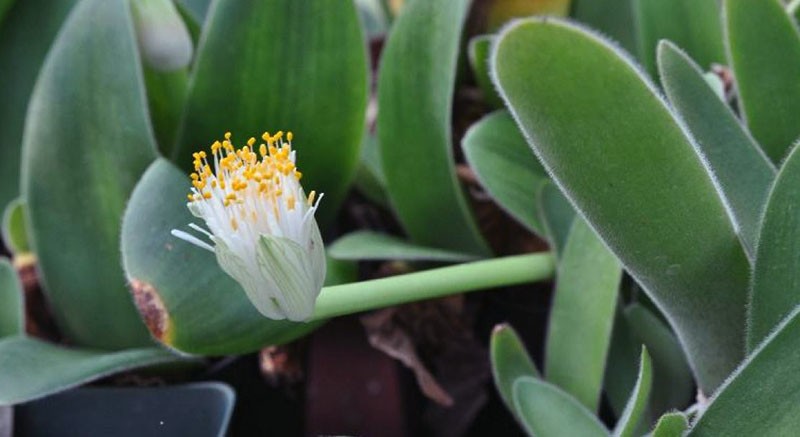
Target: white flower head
column 261, row 223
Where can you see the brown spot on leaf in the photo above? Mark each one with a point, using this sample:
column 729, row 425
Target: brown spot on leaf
column 152, row 309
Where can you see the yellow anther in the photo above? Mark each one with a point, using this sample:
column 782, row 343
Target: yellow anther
column 227, row 136
column 265, row 136
column 251, row 141
column 278, row 135
column 194, row 176
column 191, row 197
column 311, row 196
column 234, row 224
column 262, row 149
column 206, row 195
column 298, row 175
column 289, row 136
column 290, row 202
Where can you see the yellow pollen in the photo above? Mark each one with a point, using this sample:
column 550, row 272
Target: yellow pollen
column 244, row 175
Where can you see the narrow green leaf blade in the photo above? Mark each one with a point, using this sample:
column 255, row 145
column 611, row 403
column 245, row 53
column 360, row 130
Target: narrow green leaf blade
column 637, row 403
column 556, row 216
column 506, row 167
column 547, row 411
column 415, row 92
column 33, row 369
column 635, row 175
column 29, row 28
column 185, row 298
column 12, row 312
column 673, row 385
column 763, row 396
column 87, row 141
column 478, row 55
column 367, row 245
column 582, row 315
column 764, row 53
column 299, row 66
column 694, row 25
column 776, row 277
column 510, row 361
column 742, row 170
column 671, row 425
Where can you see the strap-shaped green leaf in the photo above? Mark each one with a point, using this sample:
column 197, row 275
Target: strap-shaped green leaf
column 478, row 54
column 548, row 411
column 415, row 93
column 776, row 278
column 742, row 170
column 506, row 167
column 12, row 312
column 626, row 162
column 26, row 34
column 673, row 385
column 284, row 65
column 694, row 25
column 87, row 142
column 764, row 53
column 582, row 315
column 763, row 396
column 33, row 369
column 510, row 361
column 637, row 403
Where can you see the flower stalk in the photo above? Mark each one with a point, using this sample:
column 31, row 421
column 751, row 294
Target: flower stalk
column 378, row 293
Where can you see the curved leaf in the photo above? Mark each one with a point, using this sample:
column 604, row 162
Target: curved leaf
column 546, row 411
column 297, row 65
column 196, row 409
column 185, row 298
column 764, row 42
column 366, row 245
column 742, row 170
column 634, row 173
column 33, row 369
column 12, row 313
column 763, row 396
column 509, row 361
column 776, row 277
column 415, row 92
column 582, row 315
column 478, row 55
column 87, row 141
column 14, row 231
column 637, row 403
column 694, row 25
column 673, row 385
column 506, row 167
column 29, row 28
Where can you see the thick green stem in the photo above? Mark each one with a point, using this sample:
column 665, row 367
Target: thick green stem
column 367, row 295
